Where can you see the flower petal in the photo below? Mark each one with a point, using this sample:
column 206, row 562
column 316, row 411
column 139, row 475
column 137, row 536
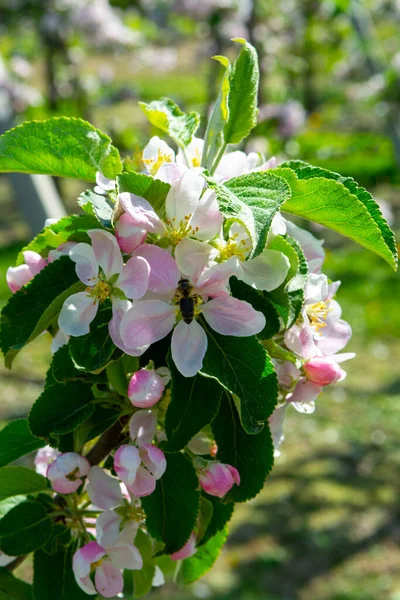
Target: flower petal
column 164, row 273
column 126, row 556
column 87, row 267
column 108, row 580
column 267, row 271
column 207, row 219
column 107, row 528
column 126, row 463
column 18, row 276
column 143, row 426
column 107, row 252
column 183, row 197
column 188, row 347
column 230, row 316
column 187, row 550
column 77, row 312
column 193, row 257
column 142, row 213
column 214, row 281
column 147, row 322
column 144, row 485
column 232, row 164
column 34, row 261
column 134, row 278
column 154, row 459
column 145, row 388
column 129, row 235
column 104, row 490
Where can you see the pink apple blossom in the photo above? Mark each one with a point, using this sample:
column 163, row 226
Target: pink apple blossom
column 218, row 478
column 140, row 468
column 323, row 370
column 129, row 235
column 104, row 490
column 44, row 457
column 187, row 550
column 146, row 388
column 100, row 267
column 66, row 472
column 151, row 320
column 19, row 276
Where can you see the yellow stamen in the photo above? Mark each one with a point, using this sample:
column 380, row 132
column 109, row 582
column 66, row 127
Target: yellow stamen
column 177, row 232
column 317, row 313
column 233, row 247
column 153, row 164
column 101, row 291
column 196, row 160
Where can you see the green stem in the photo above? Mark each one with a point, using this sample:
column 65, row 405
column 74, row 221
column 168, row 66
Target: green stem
column 186, row 156
column 218, row 158
column 277, row 351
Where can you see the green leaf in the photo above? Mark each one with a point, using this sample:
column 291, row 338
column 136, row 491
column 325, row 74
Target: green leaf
column 53, row 578
column 288, row 298
column 102, row 419
column 24, row 528
column 214, row 138
column 16, row 440
column 243, row 94
column 60, row 146
column 200, row 563
column 12, row 588
column 242, row 366
column 221, row 515
column 99, row 206
column 194, row 404
column 172, row 508
column 61, row 536
column 338, row 203
column 251, row 455
column 167, row 116
column 32, row 309
column 153, row 190
column 91, row 352
column 68, row 229
column 61, row 408
column 9, row 503
column 142, row 580
column 20, row 480
column 261, row 303
column 264, row 193
column 62, row 368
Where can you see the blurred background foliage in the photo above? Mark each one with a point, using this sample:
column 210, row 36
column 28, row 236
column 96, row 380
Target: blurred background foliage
column 327, row 525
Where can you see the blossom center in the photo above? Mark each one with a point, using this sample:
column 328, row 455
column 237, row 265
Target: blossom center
column 178, row 231
column 153, row 164
column 234, row 247
column 101, row 291
column 196, row 159
column 73, row 476
column 317, row 313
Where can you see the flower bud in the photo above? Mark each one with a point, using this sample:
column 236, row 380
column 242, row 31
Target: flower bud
column 143, row 426
column 323, row 371
column 218, row 478
column 145, row 388
column 128, row 234
column 17, row 277
column 66, row 471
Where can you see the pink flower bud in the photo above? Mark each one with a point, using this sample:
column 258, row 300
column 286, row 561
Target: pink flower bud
column 218, row 478
column 145, row 388
column 128, row 234
column 66, row 471
column 323, row 371
column 17, row 277
column 187, row 550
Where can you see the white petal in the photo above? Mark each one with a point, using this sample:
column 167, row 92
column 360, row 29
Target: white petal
column 230, row 316
column 267, row 271
column 119, row 308
column 107, row 528
column 164, row 274
column 207, row 217
column 188, row 347
column 125, row 556
column 107, row 252
column 134, row 278
column 146, row 323
column 87, row 267
column 104, row 490
column 77, row 313
column 183, row 197
column 192, row 257
column 232, row 164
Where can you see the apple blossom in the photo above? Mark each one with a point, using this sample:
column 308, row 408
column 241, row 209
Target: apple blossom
column 128, row 235
column 190, row 211
column 66, row 472
column 104, row 490
column 217, row 478
column 100, row 267
column 19, row 276
column 151, row 320
column 140, row 468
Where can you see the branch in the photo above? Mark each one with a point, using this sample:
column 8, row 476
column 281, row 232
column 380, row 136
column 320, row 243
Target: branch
column 108, row 441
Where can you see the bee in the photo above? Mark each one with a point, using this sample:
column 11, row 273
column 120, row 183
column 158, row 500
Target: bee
column 187, row 300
